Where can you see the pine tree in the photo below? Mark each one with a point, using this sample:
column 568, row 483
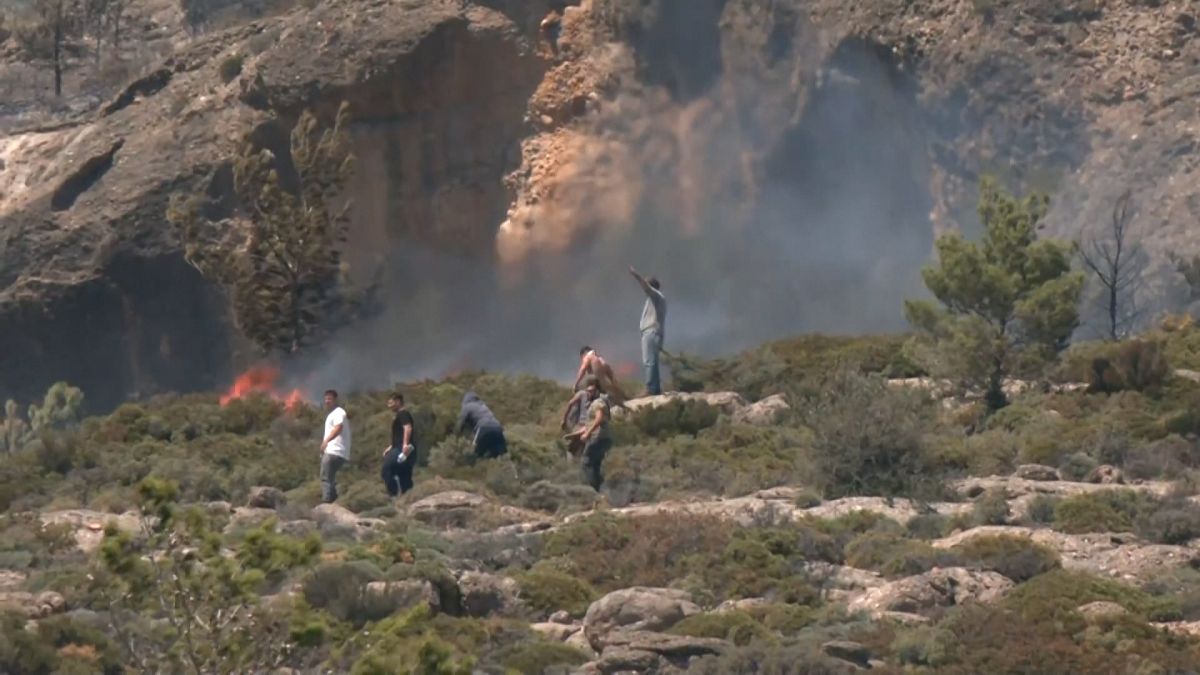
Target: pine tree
column 282, row 261
column 1006, row 304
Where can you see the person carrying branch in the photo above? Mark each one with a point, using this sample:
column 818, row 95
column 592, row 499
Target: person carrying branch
column 593, row 432
column 654, row 318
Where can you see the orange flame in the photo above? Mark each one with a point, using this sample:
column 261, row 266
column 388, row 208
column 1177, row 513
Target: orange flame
column 261, row 380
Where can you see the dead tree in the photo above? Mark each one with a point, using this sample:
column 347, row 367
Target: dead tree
column 56, row 22
column 1117, row 263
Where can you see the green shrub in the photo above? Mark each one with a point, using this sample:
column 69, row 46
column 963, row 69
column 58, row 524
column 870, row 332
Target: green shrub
column 738, row 627
column 894, row 556
column 275, row 554
column 547, row 590
column 867, row 438
column 1017, row 558
column 537, row 657
column 1041, row 509
column 1056, row 594
column 1076, row 466
column 676, row 418
column 1109, row 367
column 923, row 646
column 340, row 589
column 231, row 67
column 611, row 552
column 928, row 526
column 1103, row 511
column 991, row 508
column 1174, row 522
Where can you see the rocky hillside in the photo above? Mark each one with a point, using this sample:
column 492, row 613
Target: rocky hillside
column 477, row 137
column 839, row 529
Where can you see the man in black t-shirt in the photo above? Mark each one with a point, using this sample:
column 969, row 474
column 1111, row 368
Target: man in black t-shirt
column 398, row 458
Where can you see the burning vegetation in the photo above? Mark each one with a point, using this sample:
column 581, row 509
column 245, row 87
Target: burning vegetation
column 262, row 380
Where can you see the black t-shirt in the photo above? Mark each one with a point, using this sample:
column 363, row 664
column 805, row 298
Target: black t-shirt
column 402, row 418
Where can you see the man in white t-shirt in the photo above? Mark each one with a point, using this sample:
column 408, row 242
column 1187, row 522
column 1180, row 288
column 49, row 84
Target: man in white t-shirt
column 335, row 446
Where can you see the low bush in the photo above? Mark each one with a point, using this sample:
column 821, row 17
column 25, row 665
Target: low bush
column 738, row 627
column 676, row 418
column 1104, row 511
column 1056, row 595
column 1172, row 522
column 867, row 438
column 340, row 589
column 991, row 508
column 1017, row 558
column 1110, row 367
column 895, row 556
column 538, row 657
column 547, row 590
column 611, row 552
column 231, row 67
column 1041, row 509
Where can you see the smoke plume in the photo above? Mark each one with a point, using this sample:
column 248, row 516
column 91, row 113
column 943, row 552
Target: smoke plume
column 760, row 224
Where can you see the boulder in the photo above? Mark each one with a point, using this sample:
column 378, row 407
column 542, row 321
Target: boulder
column 264, row 497
column 678, row 649
column 1101, row 609
column 447, row 509
column 1118, row 556
column 34, row 605
column 11, row 580
column 333, row 519
column 246, row 517
column 763, row 413
column 727, row 402
column 940, row 587
column 741, row 605
column 1106, row 474
column 636, row 609
column 402, row 595
column 579, row 641
column 554, row 631
column 89, row 525
column 297, row 528
column 851, row 652
column 489, row 594
column 622, row 660
column 1037, row 472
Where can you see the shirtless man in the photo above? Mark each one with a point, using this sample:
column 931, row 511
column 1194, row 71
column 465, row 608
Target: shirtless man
column 591, row 363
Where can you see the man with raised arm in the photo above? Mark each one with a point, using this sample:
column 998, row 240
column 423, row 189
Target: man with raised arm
column 654, row 318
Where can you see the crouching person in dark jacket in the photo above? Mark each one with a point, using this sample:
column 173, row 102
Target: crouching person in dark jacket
column 476, row 418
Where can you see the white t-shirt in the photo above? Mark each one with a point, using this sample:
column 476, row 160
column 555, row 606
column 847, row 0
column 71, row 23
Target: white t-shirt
column 339, row 446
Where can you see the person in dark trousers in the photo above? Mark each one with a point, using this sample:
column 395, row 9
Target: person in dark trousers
column 398, row 458
column 335, row 446
column 654, row 320
column 478, row 419
column 594, row 434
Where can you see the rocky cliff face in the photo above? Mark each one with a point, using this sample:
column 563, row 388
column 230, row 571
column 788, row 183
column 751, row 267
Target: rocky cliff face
column 790, row 133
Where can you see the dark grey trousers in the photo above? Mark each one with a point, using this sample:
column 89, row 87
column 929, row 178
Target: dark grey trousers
column 330, row 464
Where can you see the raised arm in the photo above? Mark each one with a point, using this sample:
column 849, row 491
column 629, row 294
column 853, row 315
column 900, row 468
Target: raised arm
column 641, row 281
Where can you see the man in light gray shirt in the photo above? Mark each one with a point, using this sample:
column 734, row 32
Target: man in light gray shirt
column 654, row 319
